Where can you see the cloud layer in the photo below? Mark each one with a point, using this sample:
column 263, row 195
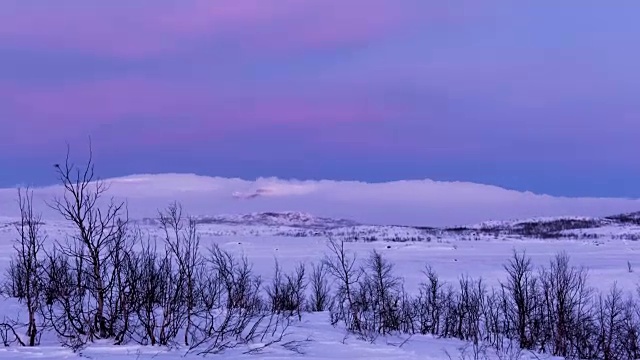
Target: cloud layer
column 420, row 202
column 148, row 28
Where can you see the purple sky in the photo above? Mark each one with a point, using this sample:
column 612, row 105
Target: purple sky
column 538, row 95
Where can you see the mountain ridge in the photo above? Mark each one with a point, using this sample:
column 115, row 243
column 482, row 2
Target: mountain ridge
column 291, row 223
column 300, row 224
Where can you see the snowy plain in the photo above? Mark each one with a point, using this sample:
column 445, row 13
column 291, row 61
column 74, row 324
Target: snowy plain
column 450, row 256
column 298, row 237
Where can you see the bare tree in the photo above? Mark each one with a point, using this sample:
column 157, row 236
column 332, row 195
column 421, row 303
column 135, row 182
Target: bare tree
column 286, row 292
column 25, row 270
column 495, row 323
column 430, row 302
column 630, row 331
column 120, row 299
column 182, row 242
column 342, row 267
column 295, row 290
column 143, row 272
column 320, row 290
column 566, row 300
column 98, row 224
column 610, row 318
column 382, row 295
column 519, row 297
column 469, row 307
column 171, row 300
column 230, row 310
column 275, row 290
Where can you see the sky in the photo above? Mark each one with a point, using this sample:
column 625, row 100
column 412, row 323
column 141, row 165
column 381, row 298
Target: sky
column 534, row 96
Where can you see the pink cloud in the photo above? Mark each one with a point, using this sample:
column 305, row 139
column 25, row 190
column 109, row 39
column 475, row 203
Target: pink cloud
column 108, row 100
column 103, row 101
column 149, row 28
column 156, row 111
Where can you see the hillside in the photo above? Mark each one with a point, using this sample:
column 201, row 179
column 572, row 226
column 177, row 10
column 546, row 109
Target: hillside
column 302, row 225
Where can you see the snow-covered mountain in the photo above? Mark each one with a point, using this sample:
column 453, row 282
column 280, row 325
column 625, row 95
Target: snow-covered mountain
column 298, row 224
column 295, row 224
column 623, row 226
column 285, row 218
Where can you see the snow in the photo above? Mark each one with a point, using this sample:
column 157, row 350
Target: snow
column 541, row 219
column 314, row 338
column 289, row 221
column 284, row 218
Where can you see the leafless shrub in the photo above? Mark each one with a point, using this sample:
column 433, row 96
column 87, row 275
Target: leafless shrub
column 152, row 291
column 610, row 316
column 297, row 346
column 25, row 273
column 630, row 330
column 98, row 228
column 230, row 311
column 566, row 304
column 495, row 324
column 241, row 288
column 8, row 334
column 296, row 285
column 379, row 297
column 520, row 300
column 342, row 267
column 511, row 351
column 182, row 244
column 469, row 307
column 429, row 303
column 320, row 289
column 286, row 291
column 470, row 351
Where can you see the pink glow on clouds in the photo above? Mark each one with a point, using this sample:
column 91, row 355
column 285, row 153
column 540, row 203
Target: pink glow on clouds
column 164, row 110
column 102, row 101
column 153, row 28
column 108, row 100
column 168, row 111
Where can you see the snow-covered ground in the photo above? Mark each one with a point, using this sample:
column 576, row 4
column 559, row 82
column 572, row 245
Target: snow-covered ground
column 313, row 338
column 294, row 238
column 258, row 226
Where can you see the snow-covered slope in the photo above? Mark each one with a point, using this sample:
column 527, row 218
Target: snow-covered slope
column 303, row 225
column 286, row 218
column 622, row 226
column 297, row 224
column 264, row 237
column 294, row 238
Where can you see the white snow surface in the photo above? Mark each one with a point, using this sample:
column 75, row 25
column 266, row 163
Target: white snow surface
column 291, row 220
column 449, row 254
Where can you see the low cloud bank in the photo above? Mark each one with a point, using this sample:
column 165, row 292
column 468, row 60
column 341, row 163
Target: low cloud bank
column 410, row 202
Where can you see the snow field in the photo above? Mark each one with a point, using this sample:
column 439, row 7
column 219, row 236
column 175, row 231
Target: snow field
column 314, row 337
